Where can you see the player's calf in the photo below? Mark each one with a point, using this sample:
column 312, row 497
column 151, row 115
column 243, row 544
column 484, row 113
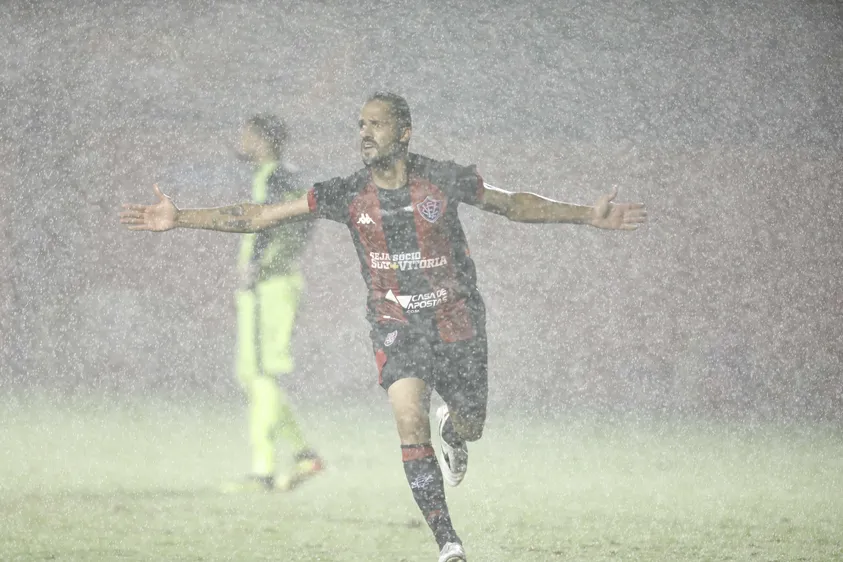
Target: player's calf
column 463, row 430
column 428, row 489
column 465, row 421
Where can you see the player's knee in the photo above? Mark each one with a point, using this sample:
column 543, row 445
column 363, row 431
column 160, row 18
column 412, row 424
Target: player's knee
column 471, row 432
column 468, row 429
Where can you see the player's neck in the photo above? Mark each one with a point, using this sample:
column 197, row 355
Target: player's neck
column 268, row 159
column 392, row 176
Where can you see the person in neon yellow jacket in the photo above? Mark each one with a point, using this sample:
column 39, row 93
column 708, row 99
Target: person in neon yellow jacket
column 267, row 301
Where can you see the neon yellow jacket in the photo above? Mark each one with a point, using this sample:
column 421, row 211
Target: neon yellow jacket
column 275, row 251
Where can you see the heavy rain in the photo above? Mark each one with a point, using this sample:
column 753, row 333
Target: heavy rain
column 669, row 393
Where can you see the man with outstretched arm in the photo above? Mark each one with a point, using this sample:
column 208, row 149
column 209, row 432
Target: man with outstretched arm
column 427, row 318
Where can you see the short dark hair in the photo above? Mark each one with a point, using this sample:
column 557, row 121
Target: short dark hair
column 398, row 107
column 271, row 129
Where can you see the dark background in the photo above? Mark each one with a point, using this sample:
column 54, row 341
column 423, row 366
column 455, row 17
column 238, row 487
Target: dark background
column 725, row 120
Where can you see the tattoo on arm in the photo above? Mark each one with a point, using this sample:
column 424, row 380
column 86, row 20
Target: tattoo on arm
column 243, row 217
column 233, row 211
column 238, row 224
column 229, row 218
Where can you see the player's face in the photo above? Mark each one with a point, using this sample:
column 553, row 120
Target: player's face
column 251, row 145
column 380, row 139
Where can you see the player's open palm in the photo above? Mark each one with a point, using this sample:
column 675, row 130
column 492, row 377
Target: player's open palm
column 158, row 217
column 618, row 216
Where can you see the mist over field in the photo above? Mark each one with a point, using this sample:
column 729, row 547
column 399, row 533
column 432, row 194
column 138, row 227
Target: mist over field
column 724, row 118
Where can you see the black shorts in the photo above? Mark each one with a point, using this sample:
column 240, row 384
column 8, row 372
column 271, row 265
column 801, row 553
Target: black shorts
column 457, row 371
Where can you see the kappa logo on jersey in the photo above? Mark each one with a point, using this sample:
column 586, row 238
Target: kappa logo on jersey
column 390, row 338
column 415, row 303
column 430, row 209
column 365, row 219
column 404, row 262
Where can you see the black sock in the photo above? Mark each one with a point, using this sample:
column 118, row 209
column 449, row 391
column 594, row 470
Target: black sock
column 428, row 489
column 268, row 482
column 450, row 435
column 306, row 455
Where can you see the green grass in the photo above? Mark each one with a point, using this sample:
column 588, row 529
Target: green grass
column 137, row 481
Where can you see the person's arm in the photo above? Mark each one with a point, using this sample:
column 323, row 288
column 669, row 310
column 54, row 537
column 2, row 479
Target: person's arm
column 277, row 249
column 243, row 217
column 528, row 207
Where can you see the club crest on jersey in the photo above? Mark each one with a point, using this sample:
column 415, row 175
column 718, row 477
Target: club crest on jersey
column 390, row 338
column 430, row 209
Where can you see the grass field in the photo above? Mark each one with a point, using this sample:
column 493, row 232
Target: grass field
column 137, row 481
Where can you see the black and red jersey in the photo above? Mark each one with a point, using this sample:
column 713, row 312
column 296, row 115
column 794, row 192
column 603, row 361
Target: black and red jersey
column 413, row 252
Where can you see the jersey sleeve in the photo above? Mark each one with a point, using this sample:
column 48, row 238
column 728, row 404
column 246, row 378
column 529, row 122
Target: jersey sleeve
column 329, row 200
column 468, row 185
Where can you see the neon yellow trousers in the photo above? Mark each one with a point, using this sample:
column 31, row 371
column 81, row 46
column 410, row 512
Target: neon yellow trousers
column 265, row 320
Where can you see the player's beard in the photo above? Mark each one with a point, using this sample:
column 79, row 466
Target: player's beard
column 384, row 159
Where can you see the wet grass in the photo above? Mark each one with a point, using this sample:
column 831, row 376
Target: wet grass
column 102, row 480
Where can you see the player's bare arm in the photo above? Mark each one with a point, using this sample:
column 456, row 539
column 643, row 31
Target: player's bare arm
column 243, row 217
column 522, row 206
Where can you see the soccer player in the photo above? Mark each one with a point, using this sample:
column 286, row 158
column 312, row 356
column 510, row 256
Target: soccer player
column 427, row 318
column 266, row 311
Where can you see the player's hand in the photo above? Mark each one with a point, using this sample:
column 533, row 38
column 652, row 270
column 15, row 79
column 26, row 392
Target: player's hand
column 618, row 216
column 158, row 217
